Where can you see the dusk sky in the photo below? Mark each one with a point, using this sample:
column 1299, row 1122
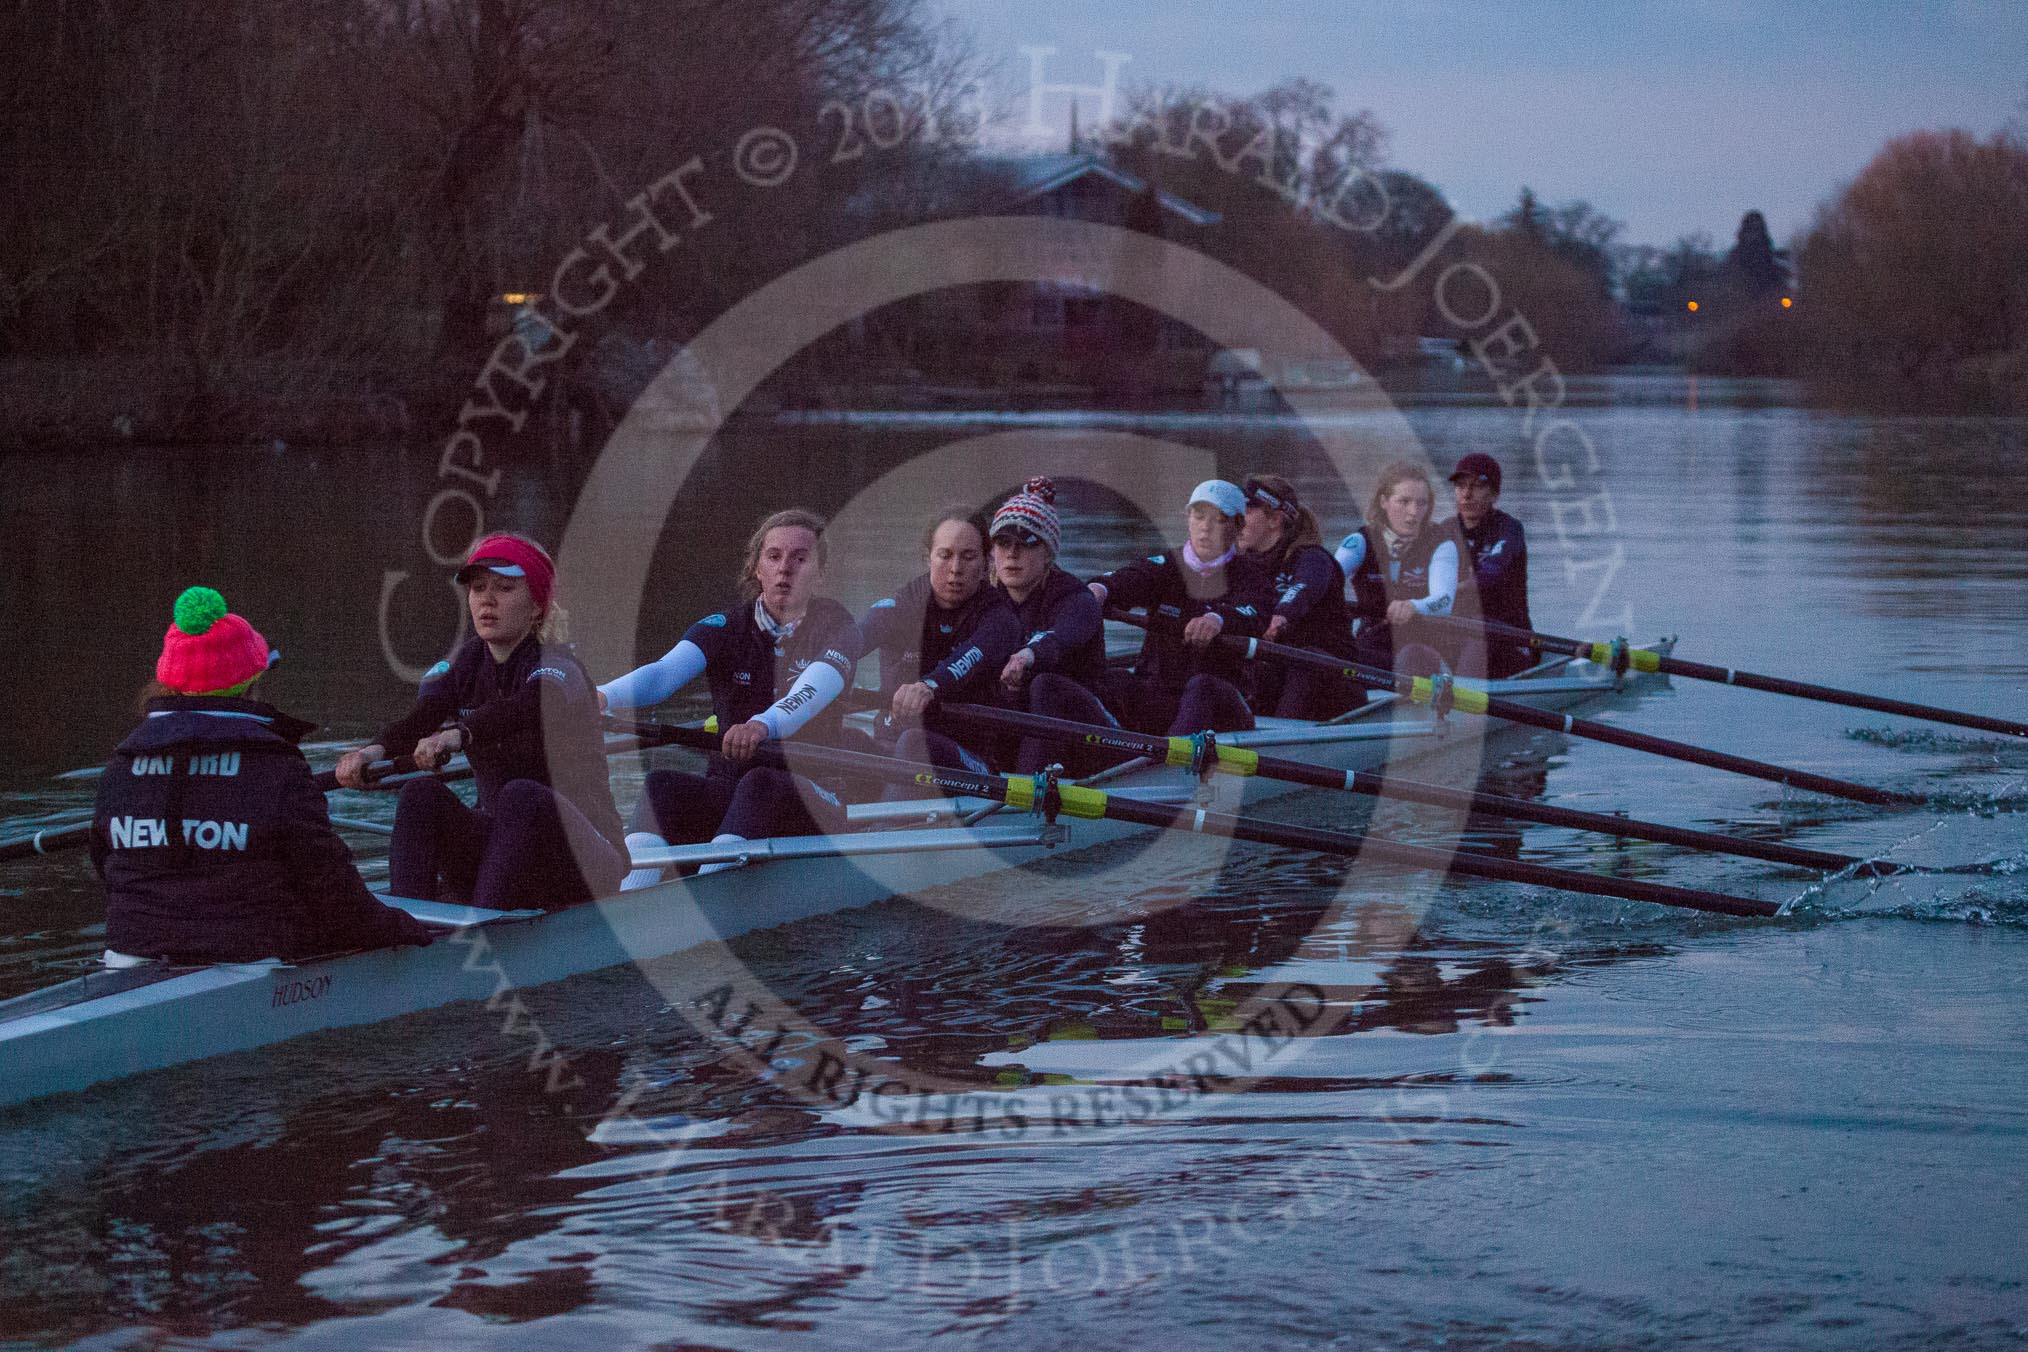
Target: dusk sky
column 1670, row 115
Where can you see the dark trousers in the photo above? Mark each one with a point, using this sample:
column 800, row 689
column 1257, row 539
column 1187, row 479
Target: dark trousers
column 1204, row 704
column 1289, row 691
column 1053, row 696
column 685, row 808
column 531, row 847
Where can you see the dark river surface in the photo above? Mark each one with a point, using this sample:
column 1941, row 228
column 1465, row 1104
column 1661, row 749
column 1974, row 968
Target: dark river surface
column 1553, row 1121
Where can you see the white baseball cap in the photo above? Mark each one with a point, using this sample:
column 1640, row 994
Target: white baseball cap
column 1226, row 497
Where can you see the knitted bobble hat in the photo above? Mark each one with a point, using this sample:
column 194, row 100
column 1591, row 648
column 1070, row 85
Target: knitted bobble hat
column 208, row 650
column 1033, row 510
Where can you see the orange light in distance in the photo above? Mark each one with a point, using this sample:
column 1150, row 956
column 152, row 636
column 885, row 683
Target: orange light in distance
column 1692, row 305
column 1787, row 302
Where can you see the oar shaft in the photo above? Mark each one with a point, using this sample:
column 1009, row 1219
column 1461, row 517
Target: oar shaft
column 1852, row 699
column 1242, row 761
column 382, row 774
column 1749, row 680
column 1078, row 801
column 47, row 841
column 1697, row 755
column 1471, row 701
column 1418, row 856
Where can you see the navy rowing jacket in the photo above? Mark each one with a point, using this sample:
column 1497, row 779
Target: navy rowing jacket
column 216, row 846
column 1241, row 594
column 1061, row 621
column 534, row 716
column 958, row 653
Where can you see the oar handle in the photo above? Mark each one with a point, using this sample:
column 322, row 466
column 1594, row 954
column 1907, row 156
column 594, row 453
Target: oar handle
column 376, row 771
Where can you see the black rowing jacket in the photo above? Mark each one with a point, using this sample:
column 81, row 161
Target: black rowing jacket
column 533, row 716
column 1061, row 621
column 957, row 653
column 1499, row 560
column 215, row 844
column 1310, row 592
column 1241, row 594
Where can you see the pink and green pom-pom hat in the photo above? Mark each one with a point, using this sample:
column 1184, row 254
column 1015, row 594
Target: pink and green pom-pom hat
column 207, row 650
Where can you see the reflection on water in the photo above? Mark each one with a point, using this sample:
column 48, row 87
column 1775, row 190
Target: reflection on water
column 1516, row 1117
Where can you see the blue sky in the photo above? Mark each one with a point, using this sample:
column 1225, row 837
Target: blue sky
column 1671, row 115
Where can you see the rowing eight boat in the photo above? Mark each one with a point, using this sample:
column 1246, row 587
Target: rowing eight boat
column 108, row 1025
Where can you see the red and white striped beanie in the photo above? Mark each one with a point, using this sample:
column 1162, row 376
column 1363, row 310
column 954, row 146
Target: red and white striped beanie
column 1033, row 510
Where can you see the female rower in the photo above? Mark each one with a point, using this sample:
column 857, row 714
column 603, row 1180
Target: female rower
column 1184, row 680
column 545, row 831
column 1066, row 642
column 777, row 663
column 1310, row 610
column 944, row 638
column 1401, row 566
column 211, row 834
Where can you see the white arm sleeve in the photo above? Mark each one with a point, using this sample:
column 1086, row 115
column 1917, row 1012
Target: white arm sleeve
column 649, row 685
column 1351, row 553
column 1443, row 581
column 821, row 683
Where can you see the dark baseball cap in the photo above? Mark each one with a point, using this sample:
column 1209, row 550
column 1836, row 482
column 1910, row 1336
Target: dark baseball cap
column 1478, row 465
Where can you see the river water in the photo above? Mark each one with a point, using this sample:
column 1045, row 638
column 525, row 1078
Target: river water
column 1541, row 1119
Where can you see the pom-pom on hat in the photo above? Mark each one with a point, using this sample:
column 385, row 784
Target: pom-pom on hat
column 207, row 650
column 1033, row 510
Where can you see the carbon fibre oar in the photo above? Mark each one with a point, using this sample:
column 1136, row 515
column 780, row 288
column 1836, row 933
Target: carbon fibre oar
column 1424, row 690
column 1640, row 659
column 1238, row 760
column 383, row 774
column 1020, row 791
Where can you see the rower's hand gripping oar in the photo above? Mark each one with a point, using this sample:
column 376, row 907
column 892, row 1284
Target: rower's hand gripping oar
column 1440, row 694
column 1236, row 760
column 1072, row 800
column 1620, row 657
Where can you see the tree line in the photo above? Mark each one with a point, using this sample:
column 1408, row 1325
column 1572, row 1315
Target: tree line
column 223, row 216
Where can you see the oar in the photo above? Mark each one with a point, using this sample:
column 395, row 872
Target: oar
column 384, row 774
column 1020, row 791
column 1238, row 760
column 1423, row 690
column 1640, row 659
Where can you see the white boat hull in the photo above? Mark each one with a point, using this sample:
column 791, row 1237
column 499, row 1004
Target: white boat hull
column 71, row 1038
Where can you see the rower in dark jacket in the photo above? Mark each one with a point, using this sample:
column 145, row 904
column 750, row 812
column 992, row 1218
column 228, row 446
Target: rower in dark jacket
column 545, row 831
column 211, row 834
column 944, row 638
column 1310, row 610
column 1184, row 681
column 1499, row 559
column 777, row 663
column 1064, row 648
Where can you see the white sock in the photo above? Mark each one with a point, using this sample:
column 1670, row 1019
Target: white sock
column 642, row 877
column 703, row 869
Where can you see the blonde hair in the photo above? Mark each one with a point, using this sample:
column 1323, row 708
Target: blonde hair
column 749, row 585
column 1397, row 473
